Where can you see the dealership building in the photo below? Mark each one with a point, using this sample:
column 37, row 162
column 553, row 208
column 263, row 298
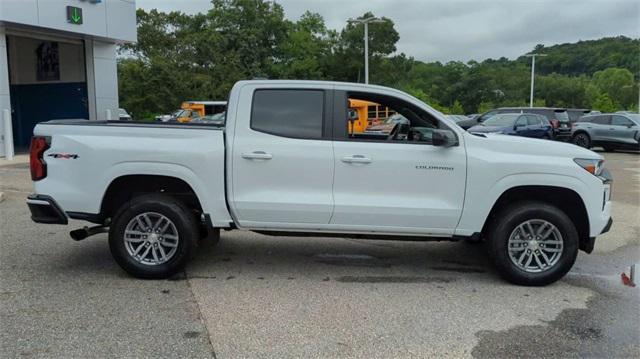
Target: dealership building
column 58, row 61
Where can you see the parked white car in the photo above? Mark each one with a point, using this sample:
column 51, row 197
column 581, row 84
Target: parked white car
column 286, row 163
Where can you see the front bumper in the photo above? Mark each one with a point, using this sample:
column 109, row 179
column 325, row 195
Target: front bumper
column 44, row 209
column 588, row 244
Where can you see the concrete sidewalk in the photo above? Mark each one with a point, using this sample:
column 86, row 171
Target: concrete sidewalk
column 17, row 159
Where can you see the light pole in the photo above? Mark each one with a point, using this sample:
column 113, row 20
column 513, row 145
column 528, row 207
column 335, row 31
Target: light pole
column 366, row 23
column 533, row 71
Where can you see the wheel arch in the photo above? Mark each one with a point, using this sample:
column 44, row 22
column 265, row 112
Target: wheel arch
column 126, row 187
column 566, row 199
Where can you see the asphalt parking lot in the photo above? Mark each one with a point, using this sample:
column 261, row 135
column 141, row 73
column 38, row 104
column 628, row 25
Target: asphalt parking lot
column 260, row 296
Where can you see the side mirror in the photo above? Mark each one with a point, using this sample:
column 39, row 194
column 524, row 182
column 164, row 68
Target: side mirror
column 444, row 138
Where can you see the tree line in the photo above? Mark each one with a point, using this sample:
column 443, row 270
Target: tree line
column 182, row 57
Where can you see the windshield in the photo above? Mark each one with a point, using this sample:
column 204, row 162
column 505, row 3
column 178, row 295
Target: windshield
column 501, row 120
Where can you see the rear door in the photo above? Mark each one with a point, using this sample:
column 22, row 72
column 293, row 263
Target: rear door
column 282, row 158
column 600, row 128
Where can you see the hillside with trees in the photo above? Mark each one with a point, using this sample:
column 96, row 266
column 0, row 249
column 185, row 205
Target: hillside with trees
column 180, row 57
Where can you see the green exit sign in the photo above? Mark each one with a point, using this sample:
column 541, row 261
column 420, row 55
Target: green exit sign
column 74, row 15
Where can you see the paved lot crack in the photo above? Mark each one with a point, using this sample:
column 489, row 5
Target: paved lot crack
column 200, row 316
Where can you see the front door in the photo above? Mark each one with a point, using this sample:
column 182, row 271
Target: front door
column 622, row 129
column 397, row 184
column 282, row 160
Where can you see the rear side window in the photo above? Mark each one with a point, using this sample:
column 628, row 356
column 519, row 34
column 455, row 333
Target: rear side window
column 288, row 113
column 601, row 120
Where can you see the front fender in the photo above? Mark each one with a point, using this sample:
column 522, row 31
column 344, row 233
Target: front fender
column 478, row 204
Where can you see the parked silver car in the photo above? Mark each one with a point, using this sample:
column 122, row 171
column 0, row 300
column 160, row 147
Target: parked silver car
column 608, row 130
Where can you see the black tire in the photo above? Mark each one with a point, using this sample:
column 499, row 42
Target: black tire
column 185, row 224
column 582, row 139
column 505, row 224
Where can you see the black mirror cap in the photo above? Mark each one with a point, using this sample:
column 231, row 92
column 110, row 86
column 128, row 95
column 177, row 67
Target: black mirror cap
column 444, row 138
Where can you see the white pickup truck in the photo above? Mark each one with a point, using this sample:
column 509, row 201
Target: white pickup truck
column 288, row 162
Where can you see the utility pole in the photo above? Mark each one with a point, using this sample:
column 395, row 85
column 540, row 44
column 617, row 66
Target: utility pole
column 366, row 22
column 533, row 72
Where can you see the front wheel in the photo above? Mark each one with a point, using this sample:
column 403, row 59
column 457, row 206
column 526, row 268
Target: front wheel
column 533, row 243
column 153, row 236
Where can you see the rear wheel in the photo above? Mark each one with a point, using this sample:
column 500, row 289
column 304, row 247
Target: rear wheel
column 533, row 243
column 582, row 139
column 153, row 236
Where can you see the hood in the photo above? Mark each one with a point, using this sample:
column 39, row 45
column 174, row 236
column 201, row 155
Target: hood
column 486, row 129
column 529, row 146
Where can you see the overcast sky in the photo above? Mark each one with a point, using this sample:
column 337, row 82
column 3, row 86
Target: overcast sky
column 437, row 30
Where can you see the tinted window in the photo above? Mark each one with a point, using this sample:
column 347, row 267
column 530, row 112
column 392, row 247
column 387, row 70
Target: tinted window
column 620, row 121
column 601, row 120
column 502, row 120
column 486, row 116
column 533, row 120
column 289, row 113
column 561, row 116
column 522, row 121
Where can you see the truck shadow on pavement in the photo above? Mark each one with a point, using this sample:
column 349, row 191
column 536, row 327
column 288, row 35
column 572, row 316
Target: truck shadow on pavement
column 249, row 255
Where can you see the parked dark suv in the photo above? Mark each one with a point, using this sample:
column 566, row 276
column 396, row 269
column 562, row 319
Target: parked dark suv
column 558, row 118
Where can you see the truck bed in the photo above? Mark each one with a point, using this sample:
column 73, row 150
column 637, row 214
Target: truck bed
column 85, row 157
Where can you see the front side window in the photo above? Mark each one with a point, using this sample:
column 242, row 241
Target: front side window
column 407, row 123
column 533, row 120
column 288, row 113
column 620, row 121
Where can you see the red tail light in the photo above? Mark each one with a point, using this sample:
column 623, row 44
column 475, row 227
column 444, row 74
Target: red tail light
column 555, row 123
column 36, row 160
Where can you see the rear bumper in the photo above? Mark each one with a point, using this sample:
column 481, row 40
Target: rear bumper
column 44, row 209
column 562, row 134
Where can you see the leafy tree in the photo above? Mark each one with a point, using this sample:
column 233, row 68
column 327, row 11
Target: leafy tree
column 604, row 104
column 180, row 57
column 617, row 83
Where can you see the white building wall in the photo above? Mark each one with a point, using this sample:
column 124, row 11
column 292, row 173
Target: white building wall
column 5, row 103
column 109, row 19
column 105, row 24
column 105, row 79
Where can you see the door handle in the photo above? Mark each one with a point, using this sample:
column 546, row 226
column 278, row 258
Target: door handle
column 356, row 159
column 257, row 155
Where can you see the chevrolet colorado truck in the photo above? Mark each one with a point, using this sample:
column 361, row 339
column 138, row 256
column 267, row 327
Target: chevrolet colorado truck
column 286, row 163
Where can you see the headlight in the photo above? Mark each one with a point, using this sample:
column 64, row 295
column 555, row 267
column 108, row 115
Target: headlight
column 592, row 166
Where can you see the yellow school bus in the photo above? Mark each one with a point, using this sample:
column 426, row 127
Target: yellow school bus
column 369, row 113
column 194, row 109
